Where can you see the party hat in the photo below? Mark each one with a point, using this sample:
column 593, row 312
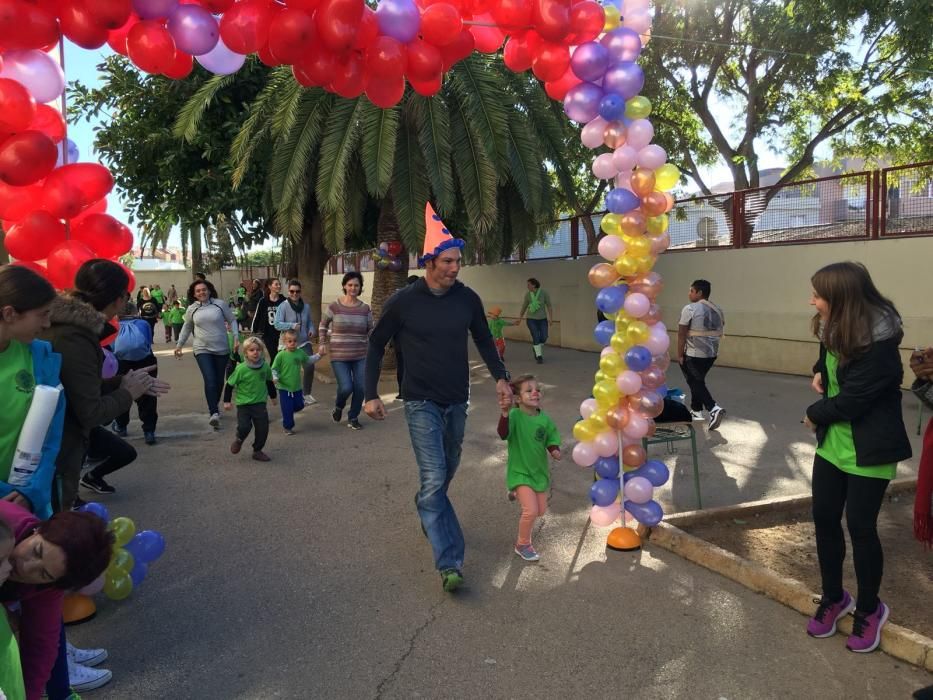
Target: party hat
column 436, row 236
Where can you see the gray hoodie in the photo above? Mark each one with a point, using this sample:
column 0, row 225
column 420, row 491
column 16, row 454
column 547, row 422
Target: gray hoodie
column 207, row 323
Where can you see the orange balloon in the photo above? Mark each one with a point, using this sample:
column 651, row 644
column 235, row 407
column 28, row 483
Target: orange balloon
column 633, row 223
column 617, row 417
column 668, row 197
column 614, row 134
column 633, row 455
column 623, row 539
column 643, row 182
column 602, row 275
column 653, row 204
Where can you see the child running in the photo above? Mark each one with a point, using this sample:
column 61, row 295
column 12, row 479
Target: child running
column 286, row 373
column 532, row 435
column 174, row 320
column 496, row 324
column 252, row 379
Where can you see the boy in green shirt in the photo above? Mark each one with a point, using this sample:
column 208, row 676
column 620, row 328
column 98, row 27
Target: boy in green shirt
column 286, row 373
column 174, row 319
column 496, row 324
column 252, row 379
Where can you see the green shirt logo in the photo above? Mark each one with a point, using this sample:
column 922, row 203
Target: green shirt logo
column 25, row 382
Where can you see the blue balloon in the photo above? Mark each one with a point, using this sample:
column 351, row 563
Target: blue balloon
column 638, row 358
column 69, row 147
column 649, row 513
column 620, row 201
column 612, row 107
column 604, row 492
column 607, row 467
column 140, row 569
column 146, row 546
column 610, row 299
column 654, row 470
column 603, row 332
column 97, row 509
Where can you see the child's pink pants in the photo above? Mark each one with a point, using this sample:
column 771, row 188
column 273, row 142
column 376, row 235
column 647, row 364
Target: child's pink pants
column 534, row 505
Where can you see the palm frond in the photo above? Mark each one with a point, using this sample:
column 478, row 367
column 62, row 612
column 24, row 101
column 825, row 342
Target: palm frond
column 283, row 119
column 475, row 171
column 409, row 188
column 357, row 197
column 257, row 125
column 380, row 130
column 524, row 163
column 335, row 227
column 432, row 120
column 341, row 136
column 476, row 85
column 189, row 116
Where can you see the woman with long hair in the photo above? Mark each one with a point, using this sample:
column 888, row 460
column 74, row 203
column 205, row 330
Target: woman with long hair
column 860, row 437
column 264, row 320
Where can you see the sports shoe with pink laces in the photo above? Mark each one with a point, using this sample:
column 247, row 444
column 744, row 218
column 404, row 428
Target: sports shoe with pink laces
column 866, row 630
column 828, row 613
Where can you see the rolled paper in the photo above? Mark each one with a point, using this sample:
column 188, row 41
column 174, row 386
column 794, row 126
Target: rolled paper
column 32, row 436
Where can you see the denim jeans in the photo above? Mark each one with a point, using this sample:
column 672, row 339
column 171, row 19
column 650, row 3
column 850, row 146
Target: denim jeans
column 212, row 370
column 538, row 328
column 350, row 376
column 437, row 439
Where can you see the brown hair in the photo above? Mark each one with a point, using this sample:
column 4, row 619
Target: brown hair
column 86, row 542
column 854, row 305
column 24, row 289
column 517, row 382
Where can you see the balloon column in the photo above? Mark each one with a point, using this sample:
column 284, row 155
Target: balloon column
column 629, row 387
column 387, row 256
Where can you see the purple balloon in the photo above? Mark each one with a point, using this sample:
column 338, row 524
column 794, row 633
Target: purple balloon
column 610, row 299
column 194, row 29
column 154, row 9
column 625, row 78
column 140, row 569
column 398, row 19
column 649, row 513
column 222, row 61
column 607, row 467
column 604, row 491
column 581, row 103
column 97, row 509
column 619, row 200
column 109, row 368
column 623, row 44
column 638, row 489
column 654, row 470
column 612, row 107
column 71, row 148
column 37, row 71
column 637, row 358
column 590, row 61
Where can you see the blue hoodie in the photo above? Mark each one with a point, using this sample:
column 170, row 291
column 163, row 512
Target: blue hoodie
column 46, row 366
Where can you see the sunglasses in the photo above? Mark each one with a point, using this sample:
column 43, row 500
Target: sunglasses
column 294, row 291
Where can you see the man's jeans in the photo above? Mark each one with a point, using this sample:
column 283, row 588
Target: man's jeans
column 437, row 439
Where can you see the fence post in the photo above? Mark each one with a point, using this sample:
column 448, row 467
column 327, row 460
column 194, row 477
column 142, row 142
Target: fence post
column 521, row 253
column 874, row 209
column 575, row 238
column 738, row 219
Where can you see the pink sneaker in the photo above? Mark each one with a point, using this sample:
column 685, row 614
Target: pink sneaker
column 823, row 622
column 866, row 630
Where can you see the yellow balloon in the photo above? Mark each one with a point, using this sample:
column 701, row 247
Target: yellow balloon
column 611, row 315
column 610, row 364
column 119, row 586
column 598, row 422
column 611, row 224
column 600, row 376
column 644, row 263
column 583, row 431
column 622, row 323
column 666, row 177
column 657, row 225
column 638, row 107
column 123, row 530
column 620, row 343
column 606, row 393
column 626, row 266
column 121, row 561
column 638, row 247
column 613, row 17
column 637, row 332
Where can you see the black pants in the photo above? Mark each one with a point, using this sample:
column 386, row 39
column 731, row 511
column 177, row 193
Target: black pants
column 146, row 405
column 861, row 498
column 272, row 344
column 115, row 451
column 695, row 370
column 253, row 415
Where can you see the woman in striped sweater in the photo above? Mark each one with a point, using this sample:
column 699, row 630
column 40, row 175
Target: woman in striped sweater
column 345, row 327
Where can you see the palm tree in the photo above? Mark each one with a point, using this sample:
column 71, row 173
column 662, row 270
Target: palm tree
column 478, row 150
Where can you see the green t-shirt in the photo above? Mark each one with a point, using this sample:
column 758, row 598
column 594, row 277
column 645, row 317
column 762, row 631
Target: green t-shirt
column 496, row 325
column 529, row 438
column 240, row 293
column 17, row 384
column 11, row 673
column 838, row 447
column 287, row 365
column 176, row 316
column 250, row 383
column 158, row 295
column 537, row 304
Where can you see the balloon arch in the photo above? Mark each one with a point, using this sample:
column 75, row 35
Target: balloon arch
column 54, row 209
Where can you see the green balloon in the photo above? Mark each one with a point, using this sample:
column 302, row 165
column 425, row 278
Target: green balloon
column 123, row 530
column 638, row 107
column 119, row 586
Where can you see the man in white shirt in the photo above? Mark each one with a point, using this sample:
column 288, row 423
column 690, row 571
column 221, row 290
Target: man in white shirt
column 698, row 335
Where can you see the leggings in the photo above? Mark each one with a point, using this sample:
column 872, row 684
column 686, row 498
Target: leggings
column 534, row 504
column 860, row 496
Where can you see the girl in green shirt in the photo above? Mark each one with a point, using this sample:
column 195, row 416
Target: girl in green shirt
column 252, row 380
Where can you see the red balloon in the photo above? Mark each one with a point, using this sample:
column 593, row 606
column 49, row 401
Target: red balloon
column 424, row 61
column 337, row 21
column 265, row 55
column 427, row 88
column 512, row 15
column 291, row 34
column 385, row 92
column 181, row 66
column 458, row 49
column 103, row 234
column 316, row 67
column 587, row 20
column 17, row 106
column 386, row 58
column 305, row 5
column 441, row 24
column 64, row 262
column 26, row 26
column 349, row 79
column 131, row 285
column 245, row 27
column 17, row 202
column 35, row 236
column 520, row 51
column 150, row 46
column 368, row 31
column 116, row 39
column 50, row 122
column 79, row 24
column 488, row 39
column 558, row 89
column 26, row 157
column 551, row 19
column 110, row 14
column 98, row 207
column 34, row 266
column 217, row 7
column 551, row 62
column 71, row 189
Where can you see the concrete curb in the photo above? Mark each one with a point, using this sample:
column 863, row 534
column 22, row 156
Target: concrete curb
column 897, row 641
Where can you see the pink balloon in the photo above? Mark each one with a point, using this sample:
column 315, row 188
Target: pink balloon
column 650, row 284
column 606, row 351
column 638, row 490
column 628, row 382
column 588, row 407
column 639, row 134
column 653, row 377
column 662, row 360
column 651, row 157
column 604, row 167
column 658, row 340
column 638, row 21
column 653, row 315
column 37, row 71
column 660, row 243
column 637, row 426
column 584, row 454
column 636, row 304
column 624, row 158
column 606, row 444
column 592, row 133
column 624, row 180
column 611, row 247
column 604, row 516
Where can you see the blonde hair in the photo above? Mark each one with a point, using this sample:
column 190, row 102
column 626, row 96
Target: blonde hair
column 251, row 341
column 290, row 333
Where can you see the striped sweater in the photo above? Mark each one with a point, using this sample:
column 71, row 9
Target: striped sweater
column 346, row 331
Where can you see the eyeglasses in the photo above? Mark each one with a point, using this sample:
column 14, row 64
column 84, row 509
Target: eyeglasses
column 294, row 291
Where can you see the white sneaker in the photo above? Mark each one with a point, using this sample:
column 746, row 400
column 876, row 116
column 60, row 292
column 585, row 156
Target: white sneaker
column 85, row 657
column 215, row 420
column 697, row 415
column 715, row 416
column 310, row 400
column 82, row 678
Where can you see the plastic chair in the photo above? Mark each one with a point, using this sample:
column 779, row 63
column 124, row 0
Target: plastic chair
column 669, row 433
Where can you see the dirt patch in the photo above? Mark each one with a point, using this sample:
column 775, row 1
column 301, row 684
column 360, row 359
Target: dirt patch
column 784, row 542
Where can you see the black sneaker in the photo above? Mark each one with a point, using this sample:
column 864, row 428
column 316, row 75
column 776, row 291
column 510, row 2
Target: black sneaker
column 540, row 359
column 150, row 439
column 78, row 503
column 96, row 483
column 337, row 415
column 118, row 430
column 354, row 424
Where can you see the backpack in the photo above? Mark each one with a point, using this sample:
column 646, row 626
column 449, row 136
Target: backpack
column 134, row 340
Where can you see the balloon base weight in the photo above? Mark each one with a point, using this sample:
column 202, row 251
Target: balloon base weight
column 78, row 608
column 623, row 539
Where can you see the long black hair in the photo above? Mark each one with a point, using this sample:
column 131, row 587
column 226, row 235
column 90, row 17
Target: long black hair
column 101, row 282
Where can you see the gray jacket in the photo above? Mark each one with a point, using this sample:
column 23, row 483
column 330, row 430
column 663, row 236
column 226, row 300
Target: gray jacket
column 207, row 323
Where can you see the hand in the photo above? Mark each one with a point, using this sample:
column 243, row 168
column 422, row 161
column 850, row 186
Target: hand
column 817, row 383
column 375, row 409
column 504, row 392
column 19, row 499
column 274, row 402
column 136, row 382
column 322, row 350
column 921, row 363
column 680, row 358
column 809, row 423
column 236, row 345
column 555, row 455
column 227, row 405
column 295, row 326
column 177, row 353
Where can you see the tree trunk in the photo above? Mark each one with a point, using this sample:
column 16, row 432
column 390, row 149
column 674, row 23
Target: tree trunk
column 311, row 257
column 386, row 283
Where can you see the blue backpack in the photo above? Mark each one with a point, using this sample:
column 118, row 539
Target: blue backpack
column 134, row 340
